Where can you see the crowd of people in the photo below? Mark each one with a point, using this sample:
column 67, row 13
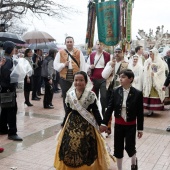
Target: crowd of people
column 126, row 84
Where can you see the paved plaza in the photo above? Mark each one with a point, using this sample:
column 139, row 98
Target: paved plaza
column 38, row 127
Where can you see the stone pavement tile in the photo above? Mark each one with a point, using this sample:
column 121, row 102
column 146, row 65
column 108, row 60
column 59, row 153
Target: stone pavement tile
column 146, row 166
column 33, row 125
column 24, row 155
column 159, row 120
column 52, row 168
column 40, row 158
column 3, row 167
column 20, row 164
column 3, row 139
column 160, row 167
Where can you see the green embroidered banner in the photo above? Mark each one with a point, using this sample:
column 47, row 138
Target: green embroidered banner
column 128, row 21
column 108, row 22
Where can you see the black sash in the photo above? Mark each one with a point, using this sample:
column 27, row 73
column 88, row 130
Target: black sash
column 72, row 58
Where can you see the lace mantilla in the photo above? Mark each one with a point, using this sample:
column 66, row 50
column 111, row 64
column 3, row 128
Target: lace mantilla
column 87, row 98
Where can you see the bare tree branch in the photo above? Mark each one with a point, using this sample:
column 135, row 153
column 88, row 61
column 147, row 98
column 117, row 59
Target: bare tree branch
column 17, row 9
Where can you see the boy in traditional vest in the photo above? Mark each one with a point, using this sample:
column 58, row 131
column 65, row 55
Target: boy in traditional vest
column 127, row 104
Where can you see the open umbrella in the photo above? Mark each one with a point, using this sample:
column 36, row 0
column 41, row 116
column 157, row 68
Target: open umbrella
column 7, row 36
column 43, row 46
column 37, row 37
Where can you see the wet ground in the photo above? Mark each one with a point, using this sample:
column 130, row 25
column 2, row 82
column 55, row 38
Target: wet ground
column 38, row 127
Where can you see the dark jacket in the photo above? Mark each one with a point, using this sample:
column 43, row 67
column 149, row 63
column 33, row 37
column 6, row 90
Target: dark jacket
column 5, row 72
column 37, row 68
column 134, row 106
column 167, row 81
column 47, row 67
column 168, row 62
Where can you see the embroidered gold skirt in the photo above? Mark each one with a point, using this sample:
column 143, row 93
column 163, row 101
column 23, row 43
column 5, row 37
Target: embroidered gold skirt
column 80, row 146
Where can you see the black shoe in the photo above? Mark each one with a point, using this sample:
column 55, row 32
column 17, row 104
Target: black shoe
column 150, row 114
column 51, row 104
column 4, row 133
column 28, row 104
column 40, row 94
column 135, row 167
column 36, row 98
column 168, row 129
column 15, row 138
column 56, row 91
column 48, row 107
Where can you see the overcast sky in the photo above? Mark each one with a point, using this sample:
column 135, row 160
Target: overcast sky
column 146, row 14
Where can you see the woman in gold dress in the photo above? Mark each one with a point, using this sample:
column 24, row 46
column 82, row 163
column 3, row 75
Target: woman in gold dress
column 79, row 143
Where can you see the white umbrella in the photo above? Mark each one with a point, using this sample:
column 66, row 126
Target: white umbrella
column 37, row 37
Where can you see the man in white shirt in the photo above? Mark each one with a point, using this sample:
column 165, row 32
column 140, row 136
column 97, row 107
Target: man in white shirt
column 110, row 73
column 67, row 62
column 97, row 61
column 114, row 67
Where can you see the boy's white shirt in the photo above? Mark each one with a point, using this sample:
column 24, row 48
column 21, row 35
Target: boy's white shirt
column 123, row 114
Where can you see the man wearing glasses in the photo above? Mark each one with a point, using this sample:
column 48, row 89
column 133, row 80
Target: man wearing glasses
column 111, row 73
column 113, row 67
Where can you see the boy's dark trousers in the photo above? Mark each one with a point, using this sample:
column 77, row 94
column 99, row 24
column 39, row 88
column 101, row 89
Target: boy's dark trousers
column 124, row 134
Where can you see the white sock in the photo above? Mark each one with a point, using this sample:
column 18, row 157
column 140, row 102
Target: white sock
column 133, row 159
column 119, row 163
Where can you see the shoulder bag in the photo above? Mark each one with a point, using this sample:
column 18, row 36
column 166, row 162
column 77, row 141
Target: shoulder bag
column 7, row 100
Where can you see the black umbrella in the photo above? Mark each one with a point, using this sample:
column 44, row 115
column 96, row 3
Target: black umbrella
column 7, row 36
column 43, row 46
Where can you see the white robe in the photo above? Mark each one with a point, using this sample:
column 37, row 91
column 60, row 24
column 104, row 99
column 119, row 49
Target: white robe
column 157, row 81
column 138, row 79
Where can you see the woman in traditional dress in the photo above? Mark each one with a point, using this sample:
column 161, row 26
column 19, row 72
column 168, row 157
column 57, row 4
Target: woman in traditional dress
column 138, row 72
column 154, row 78
column 80, row 146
